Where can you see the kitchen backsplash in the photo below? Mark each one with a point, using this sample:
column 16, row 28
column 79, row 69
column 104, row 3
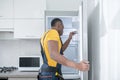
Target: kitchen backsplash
column 10, row 50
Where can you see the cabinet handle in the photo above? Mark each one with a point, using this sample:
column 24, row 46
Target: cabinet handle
column 30, row 36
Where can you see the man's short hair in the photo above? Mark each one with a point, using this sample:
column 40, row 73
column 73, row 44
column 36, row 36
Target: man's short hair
column 54, row 21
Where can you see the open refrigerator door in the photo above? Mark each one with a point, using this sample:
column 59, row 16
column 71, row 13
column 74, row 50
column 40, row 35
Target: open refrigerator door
column 83, row 44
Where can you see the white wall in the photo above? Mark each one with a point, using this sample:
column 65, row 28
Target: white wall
column 10, row 50
column 104, row 39
column 110, row 40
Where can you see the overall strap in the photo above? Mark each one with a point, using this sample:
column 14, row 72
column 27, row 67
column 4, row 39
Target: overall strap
column 61, row 51
column 42, row 51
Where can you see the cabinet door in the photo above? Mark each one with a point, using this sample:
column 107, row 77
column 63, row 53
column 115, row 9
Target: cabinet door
column 22, row 78
column 29, row 8
column 6, row 8
column 6, row 15
column 6, row 24
column 28, row 28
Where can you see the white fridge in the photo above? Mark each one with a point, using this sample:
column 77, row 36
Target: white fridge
column 77, row 49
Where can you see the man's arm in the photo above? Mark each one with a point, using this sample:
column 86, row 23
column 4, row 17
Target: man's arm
column 55, row 55
column 65, row 45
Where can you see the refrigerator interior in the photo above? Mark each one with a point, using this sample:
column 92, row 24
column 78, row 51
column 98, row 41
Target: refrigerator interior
column 72, row 52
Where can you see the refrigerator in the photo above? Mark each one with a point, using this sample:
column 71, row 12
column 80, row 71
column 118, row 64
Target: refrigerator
column 77, row 49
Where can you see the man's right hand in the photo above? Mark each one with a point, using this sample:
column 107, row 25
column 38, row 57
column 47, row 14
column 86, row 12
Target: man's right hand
column 83, row 65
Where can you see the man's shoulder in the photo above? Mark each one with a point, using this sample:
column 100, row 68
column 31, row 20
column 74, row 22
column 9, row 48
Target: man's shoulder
column 52, row 35
column 53, row 32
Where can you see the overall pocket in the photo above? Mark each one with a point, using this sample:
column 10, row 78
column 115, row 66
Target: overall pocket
column 46, row 76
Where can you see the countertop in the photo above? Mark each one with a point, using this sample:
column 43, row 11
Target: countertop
column 18, row 74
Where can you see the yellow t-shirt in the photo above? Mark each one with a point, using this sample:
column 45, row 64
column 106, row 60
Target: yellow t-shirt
column 50, row 35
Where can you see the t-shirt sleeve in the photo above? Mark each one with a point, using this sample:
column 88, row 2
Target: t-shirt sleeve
column 53, row 35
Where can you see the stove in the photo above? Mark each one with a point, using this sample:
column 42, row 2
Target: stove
column 7, row 69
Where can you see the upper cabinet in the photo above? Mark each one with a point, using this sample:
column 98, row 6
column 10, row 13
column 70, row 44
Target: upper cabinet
column 6, row 9
column 6, row 15
column 6, row 25
column 24, row 17
column 29, row 8
column 29, row 28
column 29, row 18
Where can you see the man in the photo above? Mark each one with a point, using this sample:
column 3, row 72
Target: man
column 52, row 53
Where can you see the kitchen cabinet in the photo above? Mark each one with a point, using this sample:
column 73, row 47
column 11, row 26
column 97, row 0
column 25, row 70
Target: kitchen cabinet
column 28, row 28
column 23, row 17
column 3, row 79
column 22, row 78
column 6, row 9
column 29, row 18
column 6, row 25
column 29, row 8
column 6, row 15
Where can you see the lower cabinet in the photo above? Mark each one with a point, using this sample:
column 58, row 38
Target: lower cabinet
column 22, row 78
column 3, row 78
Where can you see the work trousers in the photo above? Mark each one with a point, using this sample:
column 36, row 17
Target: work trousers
column 47, row 76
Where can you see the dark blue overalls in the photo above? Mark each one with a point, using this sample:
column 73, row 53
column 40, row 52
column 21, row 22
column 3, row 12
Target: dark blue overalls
column 47, row 72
